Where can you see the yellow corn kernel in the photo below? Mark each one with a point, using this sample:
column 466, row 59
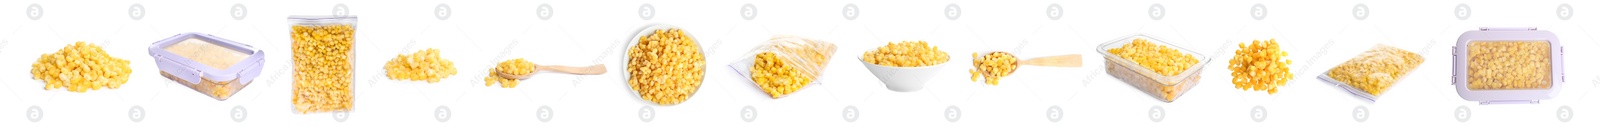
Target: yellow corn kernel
column 1508, row 65
column 665, row 67
column 993, row 66
column 322, row 66
column 975, row 75
column 81, row 67
column 490, row 80
column 1169, row 92
column 1377, row 69
column 1159, row 58
column 907, row 54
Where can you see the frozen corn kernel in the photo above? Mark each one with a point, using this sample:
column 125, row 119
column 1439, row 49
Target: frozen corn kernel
column 422, row 65
column 1170, row 92
column 81, row 67
column 1159, row 58
column 490, row 80
column 993, row 66
column 975, row 75
column 1260, row 66
column 1508, row 65
column 322, row 66
column 665, row 67
column 906, row 54
column 517, row 66
column 509, row 83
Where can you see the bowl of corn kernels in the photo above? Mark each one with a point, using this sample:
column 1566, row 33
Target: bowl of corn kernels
column 664, row 64
column 905, row 66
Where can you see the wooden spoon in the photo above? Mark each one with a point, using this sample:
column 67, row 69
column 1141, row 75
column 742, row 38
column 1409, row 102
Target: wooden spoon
column 1070, row 60
column 589, row 70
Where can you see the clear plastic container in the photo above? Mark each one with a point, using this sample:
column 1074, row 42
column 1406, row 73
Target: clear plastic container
column 324, row 60
column 1502, row 50
column 806, row 55
column 208, row 64
column 1162, row 87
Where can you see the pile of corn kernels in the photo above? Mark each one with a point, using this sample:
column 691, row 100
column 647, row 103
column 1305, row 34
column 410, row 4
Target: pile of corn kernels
column 322, row 66
column 1260, row 66
column 81, row 67
column 1505, row 65
column 1159, row 58
column 1377, row 69
column 665, row 67
column 419, row 66
column 993, row 66
column 517, row 66
column 906, row 54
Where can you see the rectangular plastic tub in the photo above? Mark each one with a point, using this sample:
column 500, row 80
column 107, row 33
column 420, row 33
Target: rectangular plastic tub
column 208, row 64
column 1164, row 88
column 1518, row 80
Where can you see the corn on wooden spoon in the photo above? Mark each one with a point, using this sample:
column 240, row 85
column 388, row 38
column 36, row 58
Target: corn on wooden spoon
column 1069, row 60
column 588, row 70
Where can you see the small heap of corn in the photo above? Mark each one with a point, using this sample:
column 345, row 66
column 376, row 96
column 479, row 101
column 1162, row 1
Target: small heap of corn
column 81, row 67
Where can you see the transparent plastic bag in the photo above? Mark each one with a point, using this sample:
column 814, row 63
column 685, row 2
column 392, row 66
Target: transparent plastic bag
column 1373, row 72
column 806, row 57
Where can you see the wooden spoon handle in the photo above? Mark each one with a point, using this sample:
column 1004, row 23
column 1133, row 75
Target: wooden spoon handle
column 1072, row 60
column 589, row 70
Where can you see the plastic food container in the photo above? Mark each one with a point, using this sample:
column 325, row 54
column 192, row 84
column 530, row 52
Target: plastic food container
column 793, row 51
column 1513, row 65
column 1162, row 87
column 208, row 64
column 328, row 91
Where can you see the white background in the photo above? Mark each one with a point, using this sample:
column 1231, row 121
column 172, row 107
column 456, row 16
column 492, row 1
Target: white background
column 1317, row 35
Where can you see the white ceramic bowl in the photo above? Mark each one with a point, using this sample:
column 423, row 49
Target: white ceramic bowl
column 903, row 79
column 647, row 30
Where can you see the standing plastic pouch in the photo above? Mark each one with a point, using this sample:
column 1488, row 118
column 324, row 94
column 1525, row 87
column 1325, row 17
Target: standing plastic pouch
column 344, row 98
column 806, row 55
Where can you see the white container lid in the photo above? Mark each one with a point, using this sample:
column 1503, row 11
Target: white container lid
column 1459, row 76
